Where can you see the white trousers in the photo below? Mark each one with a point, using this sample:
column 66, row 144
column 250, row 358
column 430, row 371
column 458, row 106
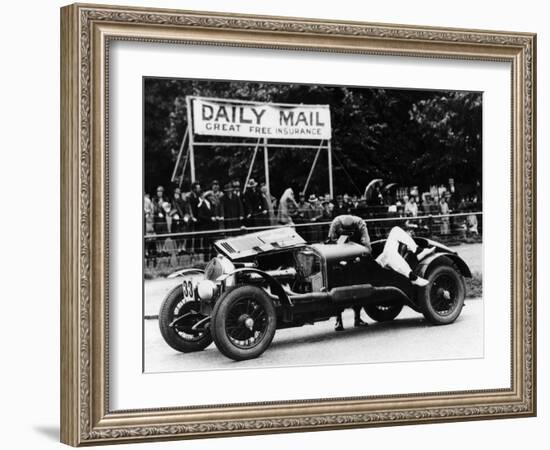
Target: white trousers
column 390, row 256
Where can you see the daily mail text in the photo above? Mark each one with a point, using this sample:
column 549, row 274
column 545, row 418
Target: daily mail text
column 260, row 120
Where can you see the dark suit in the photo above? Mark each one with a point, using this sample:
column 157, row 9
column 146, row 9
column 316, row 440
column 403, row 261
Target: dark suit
column 232, row 210
column 252, row 202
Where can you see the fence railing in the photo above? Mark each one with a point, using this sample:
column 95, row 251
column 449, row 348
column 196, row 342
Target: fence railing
column 166, row 252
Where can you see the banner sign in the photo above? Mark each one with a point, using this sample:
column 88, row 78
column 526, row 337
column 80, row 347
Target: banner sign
column 260, row 120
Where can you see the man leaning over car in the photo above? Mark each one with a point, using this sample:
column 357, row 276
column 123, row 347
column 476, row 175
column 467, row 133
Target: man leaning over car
column 355, row 228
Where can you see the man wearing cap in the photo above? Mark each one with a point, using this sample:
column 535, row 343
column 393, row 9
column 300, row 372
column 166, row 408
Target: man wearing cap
column 315, row 210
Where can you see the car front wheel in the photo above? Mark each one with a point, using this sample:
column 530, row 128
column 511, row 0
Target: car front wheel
column 243, row 323
column 182, row 325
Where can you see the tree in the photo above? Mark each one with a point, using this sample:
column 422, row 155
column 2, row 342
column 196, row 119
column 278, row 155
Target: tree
column 450, row 129
column 413, row 137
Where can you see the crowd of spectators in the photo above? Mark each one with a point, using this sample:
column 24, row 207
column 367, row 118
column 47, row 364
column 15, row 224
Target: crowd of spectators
column 234, row 207
column 205, row 210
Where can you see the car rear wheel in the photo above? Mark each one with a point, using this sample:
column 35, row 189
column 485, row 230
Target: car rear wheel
column 383, row 312
column 177, row 322
column 243, row 323
column 443, row 298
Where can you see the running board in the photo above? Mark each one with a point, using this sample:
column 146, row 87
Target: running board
column 364, row 294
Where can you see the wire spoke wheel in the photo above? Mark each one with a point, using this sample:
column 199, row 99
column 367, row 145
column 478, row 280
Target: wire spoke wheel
column 246, row 323
column 443, row 294
column 243, row 322
column 442, row 300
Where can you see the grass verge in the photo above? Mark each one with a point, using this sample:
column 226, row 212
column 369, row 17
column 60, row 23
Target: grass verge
column 474, row 286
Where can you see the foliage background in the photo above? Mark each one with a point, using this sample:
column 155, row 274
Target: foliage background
column 411, row 137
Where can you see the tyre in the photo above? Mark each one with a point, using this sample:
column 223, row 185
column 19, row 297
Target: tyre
column 442, row 300
column 180, row 335
column 243, row 323
column 383, row 312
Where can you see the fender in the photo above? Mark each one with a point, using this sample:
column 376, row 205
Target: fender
column 431, row 260
column 182, row 272
column 425, row 242
column 275, row 286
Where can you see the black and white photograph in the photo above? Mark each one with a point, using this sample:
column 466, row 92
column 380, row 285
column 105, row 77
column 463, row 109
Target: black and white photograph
column 304, row 224
column 275, row 225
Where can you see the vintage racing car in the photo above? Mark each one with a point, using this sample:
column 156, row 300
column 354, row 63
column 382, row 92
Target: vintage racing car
column 261, row 282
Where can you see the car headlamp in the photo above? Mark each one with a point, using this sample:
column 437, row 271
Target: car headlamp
column 206, row 289
column 218, row 266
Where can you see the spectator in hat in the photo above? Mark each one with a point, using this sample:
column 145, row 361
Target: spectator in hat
column 183, row 221
column 183, row 214
column 232, row 208
column 347, row 200
column 314, row 215
column 445, row 220
column 429, row 207
column 217, row 206
column 205, row 211
column 159, row 197
column 302, row 215
column 315, row 211
column 341, row 207
column 207, row 222
column 169, row 214
column 194, row 199
column 471, row 223
column 411, row 208
column 162, row 209
column 253, row 205
column 237, row 188
column 159, row 218
column 328, row 211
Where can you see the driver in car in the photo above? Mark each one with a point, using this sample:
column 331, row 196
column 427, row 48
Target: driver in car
column 355, row 228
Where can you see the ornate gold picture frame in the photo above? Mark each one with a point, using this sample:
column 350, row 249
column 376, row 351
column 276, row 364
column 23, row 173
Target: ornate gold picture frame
column 86, row 33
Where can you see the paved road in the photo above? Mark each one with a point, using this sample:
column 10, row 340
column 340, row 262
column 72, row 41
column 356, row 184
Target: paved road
column 408, row 338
